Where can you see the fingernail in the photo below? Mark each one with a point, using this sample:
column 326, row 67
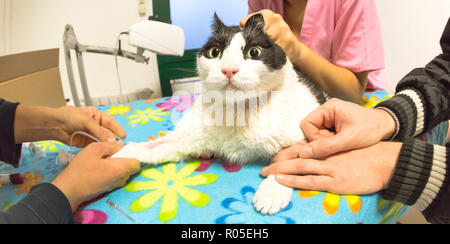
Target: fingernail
column 111, row 139
column 280, row 177
column 306, row 152
column 264, row 171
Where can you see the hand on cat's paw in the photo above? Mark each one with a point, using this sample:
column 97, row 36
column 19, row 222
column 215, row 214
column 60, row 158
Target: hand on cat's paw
column 271, row 197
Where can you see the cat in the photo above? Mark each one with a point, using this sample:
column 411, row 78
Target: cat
column 243, row 69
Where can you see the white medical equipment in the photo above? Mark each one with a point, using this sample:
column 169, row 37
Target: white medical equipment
column 154, row 36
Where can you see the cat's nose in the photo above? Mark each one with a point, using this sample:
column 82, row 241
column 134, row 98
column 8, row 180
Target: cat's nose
column 229, row 73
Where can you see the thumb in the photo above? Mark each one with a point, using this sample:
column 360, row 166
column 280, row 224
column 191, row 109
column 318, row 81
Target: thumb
column 324, row 147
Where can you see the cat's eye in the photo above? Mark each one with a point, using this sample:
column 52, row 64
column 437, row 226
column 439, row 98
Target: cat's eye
column 254, row 52
column 214, row 52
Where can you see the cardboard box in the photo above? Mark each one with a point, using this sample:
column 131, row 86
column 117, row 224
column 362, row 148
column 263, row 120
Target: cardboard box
column 32, row 78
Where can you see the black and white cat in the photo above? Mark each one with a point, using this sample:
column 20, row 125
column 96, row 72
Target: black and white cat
column 251, row 107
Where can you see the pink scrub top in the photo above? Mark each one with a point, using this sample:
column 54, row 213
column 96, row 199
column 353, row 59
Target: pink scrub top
column 345, row 32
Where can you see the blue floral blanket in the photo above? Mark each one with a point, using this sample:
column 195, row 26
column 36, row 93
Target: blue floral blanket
column 199, row 192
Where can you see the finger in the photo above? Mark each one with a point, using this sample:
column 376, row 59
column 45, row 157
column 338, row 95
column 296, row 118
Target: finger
column 308, row 182
column 327, row 146
column 106, row 149
column 289, row 153
column 319, row 121
column 297, row 166
column 245, row 19
column 105, row 120
column 99, row 132
column 264, row 13
column 112, row 124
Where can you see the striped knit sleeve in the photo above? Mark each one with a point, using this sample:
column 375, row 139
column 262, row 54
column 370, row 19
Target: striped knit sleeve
column 407, row 109
column 421, row 177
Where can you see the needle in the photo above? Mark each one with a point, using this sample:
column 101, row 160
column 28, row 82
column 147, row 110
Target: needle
column 121, row 211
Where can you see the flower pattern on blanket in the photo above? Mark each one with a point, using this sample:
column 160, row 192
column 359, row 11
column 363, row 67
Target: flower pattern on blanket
column 121, row 109
column 331, row 201
column 143, row 117
column 181, row 103
column 29, row 181
column 392, row 209
column 224, row 197
column 168, row 185
column 51, row 146
column 243, row 212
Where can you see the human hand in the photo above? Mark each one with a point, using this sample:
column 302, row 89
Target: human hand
column 89, row 120
column 359, row 172
column 339, row 126
column 280, row 32
column 92, row 172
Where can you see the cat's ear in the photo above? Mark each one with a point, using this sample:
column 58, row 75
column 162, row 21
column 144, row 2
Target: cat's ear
column 256, row 22
column 218, row 23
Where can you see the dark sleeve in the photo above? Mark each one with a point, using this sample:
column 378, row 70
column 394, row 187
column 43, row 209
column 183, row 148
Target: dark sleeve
column 9, row 151
column 423, row 96
column 45, row 204
column 422, row 102
column 422, row 177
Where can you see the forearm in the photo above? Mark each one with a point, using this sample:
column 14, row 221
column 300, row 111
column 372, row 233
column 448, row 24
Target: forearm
column 45, row 204
column 36, row 124
column 422, row 177
column 337, row 81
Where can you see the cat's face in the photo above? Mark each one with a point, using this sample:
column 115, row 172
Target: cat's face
column 244, row 60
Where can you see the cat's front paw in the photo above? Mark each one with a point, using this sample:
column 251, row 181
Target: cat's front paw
column 271, row 196
column 132, row 150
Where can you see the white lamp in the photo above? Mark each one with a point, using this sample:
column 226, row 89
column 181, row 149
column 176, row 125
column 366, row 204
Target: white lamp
column 150, row 35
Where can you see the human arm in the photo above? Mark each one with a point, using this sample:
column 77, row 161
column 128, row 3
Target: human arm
column 90, row 174
column 9, row 151
column 33, row 123
column 335, row 80
column 422, row 102
column 411, row 172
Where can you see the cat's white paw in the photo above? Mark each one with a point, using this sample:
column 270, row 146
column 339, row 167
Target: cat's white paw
column 131, row 150
column 271, row 196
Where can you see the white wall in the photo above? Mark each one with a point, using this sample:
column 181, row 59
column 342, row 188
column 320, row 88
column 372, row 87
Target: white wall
column 411, row 30
column 39, row 24
column 5, row 25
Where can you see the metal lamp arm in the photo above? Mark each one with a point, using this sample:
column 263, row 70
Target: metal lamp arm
column 71, row 43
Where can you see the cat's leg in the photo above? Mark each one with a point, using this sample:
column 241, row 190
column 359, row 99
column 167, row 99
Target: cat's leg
column 271, row 196
column 169, row 151
column 180, row 145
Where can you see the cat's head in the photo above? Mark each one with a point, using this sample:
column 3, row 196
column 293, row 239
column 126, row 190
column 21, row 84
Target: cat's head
column 236, row 59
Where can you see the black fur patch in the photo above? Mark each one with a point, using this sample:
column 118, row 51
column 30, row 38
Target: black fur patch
column 221, row 37
column 315, row 89
column 272, row 55
column 254, row 34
